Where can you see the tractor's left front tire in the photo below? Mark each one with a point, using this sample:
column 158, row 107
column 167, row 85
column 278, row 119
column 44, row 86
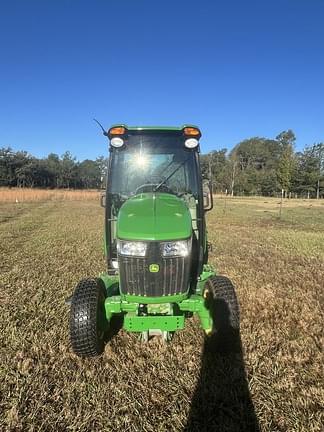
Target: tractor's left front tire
column 221, row 301
column 88, row 322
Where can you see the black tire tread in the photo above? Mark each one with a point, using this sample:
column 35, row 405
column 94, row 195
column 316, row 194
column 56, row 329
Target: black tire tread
column 84, row 333
column 221, row 289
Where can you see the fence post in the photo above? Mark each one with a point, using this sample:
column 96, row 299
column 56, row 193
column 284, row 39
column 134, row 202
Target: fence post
column 280, row 208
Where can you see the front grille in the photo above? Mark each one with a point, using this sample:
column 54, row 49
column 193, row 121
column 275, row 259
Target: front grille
column 136, row 278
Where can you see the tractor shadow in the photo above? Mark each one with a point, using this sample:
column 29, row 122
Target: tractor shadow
column 222, row 401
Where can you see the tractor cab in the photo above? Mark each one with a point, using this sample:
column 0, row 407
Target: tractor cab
column 154, row 195
column 155, row 243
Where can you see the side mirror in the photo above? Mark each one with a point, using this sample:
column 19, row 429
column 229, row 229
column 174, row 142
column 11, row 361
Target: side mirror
column 207, row 195
column 103, row 199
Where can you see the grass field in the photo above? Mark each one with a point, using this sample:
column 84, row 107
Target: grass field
column 23, row 195
column 274, row 384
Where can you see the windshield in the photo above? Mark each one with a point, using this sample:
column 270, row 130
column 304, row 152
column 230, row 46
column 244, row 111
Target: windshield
column 153, row 162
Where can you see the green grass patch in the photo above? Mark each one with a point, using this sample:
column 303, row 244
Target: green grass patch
column 277, row 267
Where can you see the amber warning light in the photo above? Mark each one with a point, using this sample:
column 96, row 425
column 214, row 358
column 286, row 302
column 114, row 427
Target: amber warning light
column 119, row 130
column 191, row 131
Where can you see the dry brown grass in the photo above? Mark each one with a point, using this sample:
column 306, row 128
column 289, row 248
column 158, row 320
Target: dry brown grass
column 21, row 195
column 277, row 383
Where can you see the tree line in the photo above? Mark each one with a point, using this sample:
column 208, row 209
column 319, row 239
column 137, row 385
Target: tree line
column 255, row 166
column 20, row 169
column 269, row 167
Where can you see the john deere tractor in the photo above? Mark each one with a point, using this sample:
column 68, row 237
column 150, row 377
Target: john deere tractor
column 155, row 242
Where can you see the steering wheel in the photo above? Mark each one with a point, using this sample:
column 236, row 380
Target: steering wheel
column 155, row 181
column 149, row 186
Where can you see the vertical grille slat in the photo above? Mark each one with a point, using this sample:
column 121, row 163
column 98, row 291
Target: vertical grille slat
column 182, row 274
column 170, row 275
column 136, row 278
column 164, row 278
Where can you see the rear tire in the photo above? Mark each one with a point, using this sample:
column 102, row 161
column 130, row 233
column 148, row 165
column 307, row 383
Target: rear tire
column 88, row 322
column 222, row 303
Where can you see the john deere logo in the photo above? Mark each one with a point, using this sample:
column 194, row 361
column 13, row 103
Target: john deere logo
column 154, row 268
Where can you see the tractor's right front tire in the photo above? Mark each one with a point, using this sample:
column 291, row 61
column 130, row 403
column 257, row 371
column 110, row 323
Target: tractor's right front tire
column 88, row 322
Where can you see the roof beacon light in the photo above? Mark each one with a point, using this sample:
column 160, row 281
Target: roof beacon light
column 191, row 143
column 191, row 131
column 117, row 142
column 119, row 130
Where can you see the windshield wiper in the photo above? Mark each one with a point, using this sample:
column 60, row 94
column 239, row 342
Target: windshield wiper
column 169, row 176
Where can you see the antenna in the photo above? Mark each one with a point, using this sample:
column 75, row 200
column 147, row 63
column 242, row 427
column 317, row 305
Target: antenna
column 102, row 128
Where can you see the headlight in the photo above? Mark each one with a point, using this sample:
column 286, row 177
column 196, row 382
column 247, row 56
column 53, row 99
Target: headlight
column 191, row 143
column 176, row 248
column 131, row 248
column 117, row 142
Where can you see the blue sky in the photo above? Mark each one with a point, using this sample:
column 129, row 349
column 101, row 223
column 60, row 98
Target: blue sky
column 235, row 68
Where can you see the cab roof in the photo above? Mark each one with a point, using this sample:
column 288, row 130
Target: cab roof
column 155, row 128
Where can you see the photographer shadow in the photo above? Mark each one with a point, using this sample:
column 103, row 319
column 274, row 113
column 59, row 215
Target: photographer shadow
column 222, row 400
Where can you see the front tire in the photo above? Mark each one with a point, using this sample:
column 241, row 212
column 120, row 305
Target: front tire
column 88, row 322
column 222, row 303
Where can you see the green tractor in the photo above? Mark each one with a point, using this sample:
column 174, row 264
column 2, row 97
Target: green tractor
column 155, row 242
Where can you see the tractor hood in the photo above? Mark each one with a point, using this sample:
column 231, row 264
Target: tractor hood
column 154, row 216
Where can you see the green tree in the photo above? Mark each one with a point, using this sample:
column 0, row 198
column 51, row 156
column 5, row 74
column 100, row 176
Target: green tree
column 286, row 138
column 7, row 170
column 53, row 166
column 68, row 168
column 102, row 164
column 309, row 178
column 287, row 162
column 89, row 174
column 286, row 167
column 252, row 160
